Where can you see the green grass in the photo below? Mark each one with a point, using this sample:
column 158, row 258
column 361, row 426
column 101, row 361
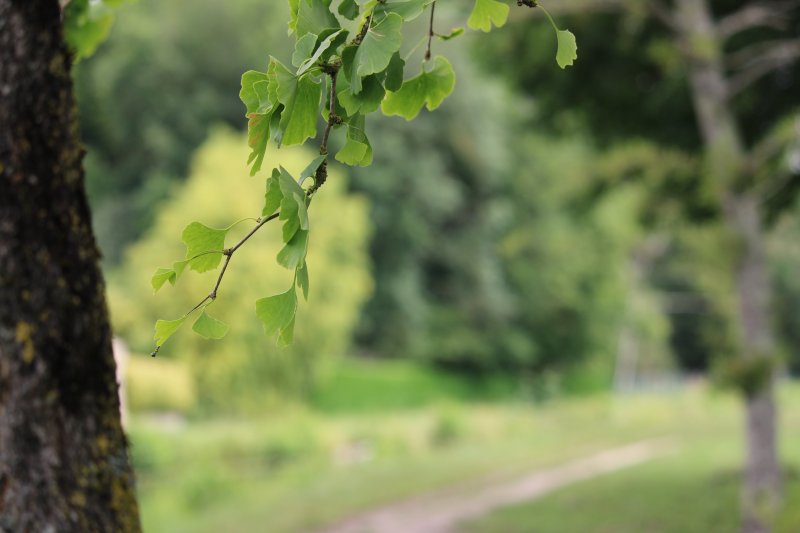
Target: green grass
column 363, row 385
column 693, row 491
column 306, row 469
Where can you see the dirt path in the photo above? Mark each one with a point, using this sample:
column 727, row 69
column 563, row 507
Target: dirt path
column 441, row 511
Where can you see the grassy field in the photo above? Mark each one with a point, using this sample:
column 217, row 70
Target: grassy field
column 693, row 491
column 305, row 469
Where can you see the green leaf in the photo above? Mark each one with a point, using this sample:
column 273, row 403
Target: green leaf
column 277, row 312
column 258, row 128
column 311, row 169
column 455, row 32
column 209, row 328
column 321, row 49
column 357, row 150
column 162, row 276
column 303, row 48
column 179, row 266
column 300, row 98
column 366, row 101
column 376, row 50
column 348, row 9
column 394, row 73
column 429, row 88
column 273, row 195
column 200, row 239
column 567, row 48
column 293, row 206
column 293, row 253
column 86, row 25
column 408, row 9
column 487, row 12
column 248, row 93
column 165, row 329
column 287, row 335
column 311, row 16
column 302, row 279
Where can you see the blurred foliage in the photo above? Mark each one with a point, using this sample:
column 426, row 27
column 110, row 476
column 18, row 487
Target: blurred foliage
column 246, row 372
column 87, row 24
column 511, row 233
column 784, row 251
column 646, row 132
column 359, row 385
column 159, row 385
column 168, row 71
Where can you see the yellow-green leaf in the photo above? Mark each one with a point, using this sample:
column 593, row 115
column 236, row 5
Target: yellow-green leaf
column 567, row 48
column 487, row 12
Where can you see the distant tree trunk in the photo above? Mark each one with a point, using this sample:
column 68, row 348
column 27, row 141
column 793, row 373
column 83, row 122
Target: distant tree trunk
column 726, row 164
column 63, row 456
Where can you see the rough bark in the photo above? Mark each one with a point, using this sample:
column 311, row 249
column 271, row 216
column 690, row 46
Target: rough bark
column 726, row 164
column 63, row 455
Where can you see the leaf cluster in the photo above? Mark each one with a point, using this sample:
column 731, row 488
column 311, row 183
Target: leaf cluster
column 346, row 64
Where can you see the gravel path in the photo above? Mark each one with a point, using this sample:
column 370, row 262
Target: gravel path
column 441, row 511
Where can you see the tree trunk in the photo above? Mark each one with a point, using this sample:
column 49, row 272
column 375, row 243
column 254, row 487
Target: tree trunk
column 725, row 158
column 762, row 471
column 63, row 455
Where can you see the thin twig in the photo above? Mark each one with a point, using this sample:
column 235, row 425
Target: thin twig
column 430, row 33
column 321, row 175
column 228, row 253
column 363, row 31
column 323, row 149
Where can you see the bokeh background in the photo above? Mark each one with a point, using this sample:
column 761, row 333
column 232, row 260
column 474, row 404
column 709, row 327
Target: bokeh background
column 533, row 273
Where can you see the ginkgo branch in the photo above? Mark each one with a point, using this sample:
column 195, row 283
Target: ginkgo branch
column 228, row 253
column 321, row 174
column 431, row 33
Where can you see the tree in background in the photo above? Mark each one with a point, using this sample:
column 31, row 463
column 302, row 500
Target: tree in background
column 149, row 94
column 63, row 456
column 733, row 72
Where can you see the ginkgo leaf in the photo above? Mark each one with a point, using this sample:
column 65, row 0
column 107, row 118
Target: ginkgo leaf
column 303, row 48
column 286, row 334
column 293, row 253
column 394, row 73
column 302, row 279
column 165, row 329
column 311, row 16
column 162, row 276
column 357, row 149
column 366, row 101
column 321, row 49
column 348, row 9
column 300, row 98
column 258, row 130
column 408, row 9
column 455, row 32
column 487, row 12
column 376, row 50
column 429, row 88
column 272, row 196
column 567, row 48
column 209, row 327
column 204, row 246
column 248, row 94
column 277, row 312
column 293, row 206
column 311, row 169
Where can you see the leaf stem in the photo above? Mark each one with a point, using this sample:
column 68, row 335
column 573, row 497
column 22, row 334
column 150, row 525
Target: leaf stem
column 414, row 49
column 550, row 18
